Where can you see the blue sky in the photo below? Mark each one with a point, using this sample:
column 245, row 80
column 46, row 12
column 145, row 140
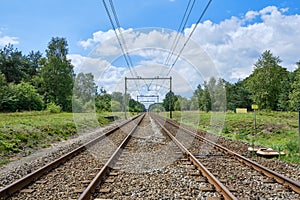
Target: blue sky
column 233, row 33
column 34, row 22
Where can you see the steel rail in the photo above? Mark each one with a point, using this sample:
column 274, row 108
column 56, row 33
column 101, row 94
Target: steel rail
column 220, row 188
column 281, row 179
column 86, row 194
column 29, row 178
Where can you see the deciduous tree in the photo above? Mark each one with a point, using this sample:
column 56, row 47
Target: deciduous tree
column 58, row 74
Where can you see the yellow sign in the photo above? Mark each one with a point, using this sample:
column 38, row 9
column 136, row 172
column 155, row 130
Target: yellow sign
column 254, row 106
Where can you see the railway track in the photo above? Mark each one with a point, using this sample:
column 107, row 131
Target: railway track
column 150, row 165
column 243, row 177
column 155, row 158
column 64, row 177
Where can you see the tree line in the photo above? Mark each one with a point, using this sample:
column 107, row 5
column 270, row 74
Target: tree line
column 35, row 82
column 270, row 86
column 30, row 82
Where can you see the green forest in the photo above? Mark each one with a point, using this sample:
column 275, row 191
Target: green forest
column 34, row 82
column 271, row 86
column 37, row 82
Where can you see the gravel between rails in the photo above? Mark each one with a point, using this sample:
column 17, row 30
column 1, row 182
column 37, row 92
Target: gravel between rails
column 19, row 168
column 243, row 181
column 70, row 179
column 287, row 169
column 152, row 167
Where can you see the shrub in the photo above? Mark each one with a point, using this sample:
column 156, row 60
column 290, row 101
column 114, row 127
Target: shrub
column 53, row 108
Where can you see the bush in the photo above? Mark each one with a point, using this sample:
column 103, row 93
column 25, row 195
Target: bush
column 53, row 108
column 22, row 96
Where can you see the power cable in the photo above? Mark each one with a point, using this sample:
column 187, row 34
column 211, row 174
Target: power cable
column 120, row 39
column 180, row 29
column 190, row 35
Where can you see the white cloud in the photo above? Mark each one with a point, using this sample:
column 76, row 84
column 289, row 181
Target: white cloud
column 98, row 38
column 5, row 40
column 235, row 44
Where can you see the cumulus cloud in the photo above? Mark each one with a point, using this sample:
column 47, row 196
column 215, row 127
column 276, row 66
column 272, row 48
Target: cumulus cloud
column 98, row 38
column 235, row 44
column 228, row 49
column 5, row 40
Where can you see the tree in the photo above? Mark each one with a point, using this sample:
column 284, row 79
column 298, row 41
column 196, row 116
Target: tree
column 84, row 87
column 219, row 96
column 196, row 99
column 34, row 60
column 3, row 91
column 169, row 101
column 135, row 106
column 182, row 103
column 116, row 106
column 237, row 96
column 265, row 82
column 206, row 98
column 58, row 74
column 294, row 95
column 103, row 102
column 117, row 96
column 13, row 64
column 27, row 97
column 286, row 89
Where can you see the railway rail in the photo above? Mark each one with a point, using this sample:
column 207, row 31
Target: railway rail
column 220, row 157
column 153, row 158
column 64, row 161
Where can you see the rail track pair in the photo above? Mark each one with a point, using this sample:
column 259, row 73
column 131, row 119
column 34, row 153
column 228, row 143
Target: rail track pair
column 167, row 126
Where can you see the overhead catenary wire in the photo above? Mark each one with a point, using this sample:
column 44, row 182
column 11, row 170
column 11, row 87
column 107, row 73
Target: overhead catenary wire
column 121, row 35
column 190, row 35
column 120, row 38
column 180, row 29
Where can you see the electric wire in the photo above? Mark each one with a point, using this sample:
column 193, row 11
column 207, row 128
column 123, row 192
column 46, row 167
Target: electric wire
column 120, row 38
column 190, row 35
column 180, row 29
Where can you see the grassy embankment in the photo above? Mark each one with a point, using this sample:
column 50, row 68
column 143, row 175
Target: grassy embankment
column 277, row 130
column 23, row 133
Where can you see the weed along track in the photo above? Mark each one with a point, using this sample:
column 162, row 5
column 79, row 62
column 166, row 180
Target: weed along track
column 151, row 157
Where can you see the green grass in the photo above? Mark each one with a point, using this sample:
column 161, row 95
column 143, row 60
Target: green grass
column 24, row 133
column 277, row 130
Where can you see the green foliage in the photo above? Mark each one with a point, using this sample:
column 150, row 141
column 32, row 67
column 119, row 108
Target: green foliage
column 103, row 102
column 237, row 96
column 13, row 64
column 58, row 74
column 84, row 87
column 169, row 101
column 27, row 97
column 295, row 90
column 265, row 83
column 53, row 108
column 135, row 106
column 20, row 97
column 293, row 145
column 116, row 106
